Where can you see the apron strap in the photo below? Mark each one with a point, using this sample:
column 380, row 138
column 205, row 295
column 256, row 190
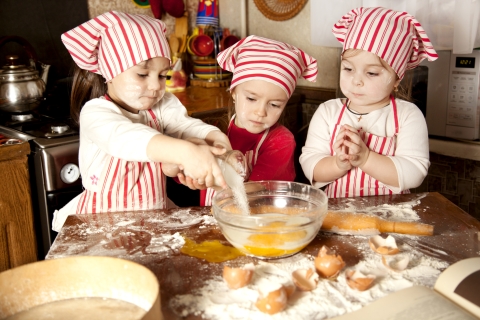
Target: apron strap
column 395, row 113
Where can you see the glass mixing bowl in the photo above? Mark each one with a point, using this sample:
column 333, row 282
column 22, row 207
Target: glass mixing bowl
column 284, row 217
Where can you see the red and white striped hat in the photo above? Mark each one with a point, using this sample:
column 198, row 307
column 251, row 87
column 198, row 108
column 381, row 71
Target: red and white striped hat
column 259, row 58
column 396, row 37
column 114, row 41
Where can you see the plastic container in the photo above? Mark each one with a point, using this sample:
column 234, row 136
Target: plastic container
column 236, row 159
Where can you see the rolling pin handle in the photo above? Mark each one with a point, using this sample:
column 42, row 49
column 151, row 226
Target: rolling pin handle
column 413, row 228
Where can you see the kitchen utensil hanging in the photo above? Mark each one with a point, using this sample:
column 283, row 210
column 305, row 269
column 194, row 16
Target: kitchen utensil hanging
column 280, row 10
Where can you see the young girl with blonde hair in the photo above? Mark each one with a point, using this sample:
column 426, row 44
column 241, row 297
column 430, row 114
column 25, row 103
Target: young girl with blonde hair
column 371, row 143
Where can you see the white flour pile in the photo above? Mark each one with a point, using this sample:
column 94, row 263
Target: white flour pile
column 331, row 298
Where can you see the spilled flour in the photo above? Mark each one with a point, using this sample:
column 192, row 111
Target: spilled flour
column 127, row 238
column 397, row 212
column 155, row 240
column 331, row 298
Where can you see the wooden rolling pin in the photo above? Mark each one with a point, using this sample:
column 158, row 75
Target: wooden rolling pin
column 350, row 221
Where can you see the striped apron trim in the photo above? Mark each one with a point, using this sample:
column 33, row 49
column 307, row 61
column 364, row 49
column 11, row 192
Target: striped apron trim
column 127, row 185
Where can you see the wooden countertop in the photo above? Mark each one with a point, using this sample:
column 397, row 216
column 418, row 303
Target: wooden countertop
column 199, row 99
column 456, row 237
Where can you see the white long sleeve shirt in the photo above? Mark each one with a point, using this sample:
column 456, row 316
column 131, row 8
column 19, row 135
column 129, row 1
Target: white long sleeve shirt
column 108, row 130
column 411, row 157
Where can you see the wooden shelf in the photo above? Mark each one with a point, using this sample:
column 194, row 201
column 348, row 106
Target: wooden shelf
column 196, row 82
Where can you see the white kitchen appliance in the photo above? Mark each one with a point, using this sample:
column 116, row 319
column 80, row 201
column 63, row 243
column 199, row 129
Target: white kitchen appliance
column 453, row 101
column 463, row 109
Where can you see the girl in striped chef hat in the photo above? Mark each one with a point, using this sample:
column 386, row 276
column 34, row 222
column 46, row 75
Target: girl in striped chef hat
column 371, row 143
column 129, row 125
column 265, row 73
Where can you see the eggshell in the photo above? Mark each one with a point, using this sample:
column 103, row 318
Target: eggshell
column 328, row 264
column 289, row 288
column 359, row 281
column 396, row 263
column 305, row 279
column 272, row 302
column 385, row 246
column 238, row 277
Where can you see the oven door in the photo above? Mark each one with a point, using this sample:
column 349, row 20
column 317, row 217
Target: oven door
column 56, row 182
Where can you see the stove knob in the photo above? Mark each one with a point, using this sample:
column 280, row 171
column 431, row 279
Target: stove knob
column 70, row 173
column 59, row 129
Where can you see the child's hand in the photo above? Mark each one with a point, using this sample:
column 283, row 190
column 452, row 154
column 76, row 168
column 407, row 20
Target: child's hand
column 357, row 150
column 189, row 182
column 341, row 151
column 186, row 179
column 170, row 169
column 201, row 165
column 196, row 141
column 216, row 149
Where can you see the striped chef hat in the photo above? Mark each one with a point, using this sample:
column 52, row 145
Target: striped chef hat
column 396, row 37
column 114, row 41
column 256, row 58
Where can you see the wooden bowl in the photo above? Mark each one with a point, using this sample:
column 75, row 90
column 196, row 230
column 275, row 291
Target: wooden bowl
column 48, row 283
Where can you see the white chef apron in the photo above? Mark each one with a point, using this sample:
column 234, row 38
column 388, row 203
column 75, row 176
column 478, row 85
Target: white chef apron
column 356, row 183
column 127, row 185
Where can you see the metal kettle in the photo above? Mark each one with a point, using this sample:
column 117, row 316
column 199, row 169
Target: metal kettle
column 21, row 86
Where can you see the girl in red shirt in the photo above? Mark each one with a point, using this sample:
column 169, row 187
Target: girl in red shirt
column 265, row 73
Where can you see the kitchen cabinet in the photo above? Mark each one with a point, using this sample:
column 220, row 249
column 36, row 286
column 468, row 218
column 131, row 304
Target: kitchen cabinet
column 17, row 235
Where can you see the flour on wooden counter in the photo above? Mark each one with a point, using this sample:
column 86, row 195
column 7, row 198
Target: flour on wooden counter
column 331, row 298
column 180, row 218
column 396, row 212
column 127, row 237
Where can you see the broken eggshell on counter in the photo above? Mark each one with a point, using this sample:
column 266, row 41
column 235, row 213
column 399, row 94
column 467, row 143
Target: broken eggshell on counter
column 396, row 263
column 305, row 279
column 328, row 264
column 238, row 277
column 290, row 288
column 359, row 281
column 384, row 246
column 272, row 299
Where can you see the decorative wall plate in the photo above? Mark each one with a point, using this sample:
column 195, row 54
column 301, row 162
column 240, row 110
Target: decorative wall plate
column 280, row 10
